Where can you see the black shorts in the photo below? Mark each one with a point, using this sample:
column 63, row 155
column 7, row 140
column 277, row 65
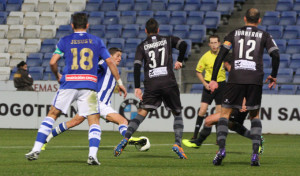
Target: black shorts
column 170, row 96
column 237, row 116
column 208, row 97
column 234, row 94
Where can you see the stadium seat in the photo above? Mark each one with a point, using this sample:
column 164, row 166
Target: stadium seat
column 178, row 17
column 48, row 45
column 189, row 47
column 131, row 45
column 32, row 45
column 264, row 28
column 197, row 33
column 208, row 5
column 48, row 76
column 4, row 59
column 212, row 20
column 275, row 30
column 61, row 5
column 61, row 62
column 31, row 18
column 111, row 17
column 3, row 17
column 291, row 32
column 34, row 59
column 113, row 31
column 192, row 5
column 288, row 18
column 142, row 35
column 16, row 46
column 162, row 17
column 287, row 89
column 195, row 18
column 165, row 29
column 196, row 88
column 29, row 6
column 284, row 60
column 128, row 17
column 284, row 5
column 284, row 79
column 130, row 31
column 32, row 31
column 63, row 30
column 3, row 31
column 296, row 6
column 181, row 31
column 271, row 18
column 48, row 56
column 297, row 90
column 93, row 5
column 226, row 7
column 175, row 5
column 130, row 60
column 47, row 18
column 96, row 17
column 45, row 5
column 15, row 31
column 3, row 45
column 77, row 5
column 97, row 30
column 158, row 5
column 63, row 18
column 141, row 5
column 36, row 72
column 143, row 16
column 286, row 71
column 109, row 5
column 116, row 42
column 48, row 31
column 45, row 62
column 281, row 43
column 2, row 5
column 15, row 18
column 14, row 5
column 125, row 5
column 266, row 60
column 293, row 46
column 4, row 73
column 267, row 90
column 17, row 58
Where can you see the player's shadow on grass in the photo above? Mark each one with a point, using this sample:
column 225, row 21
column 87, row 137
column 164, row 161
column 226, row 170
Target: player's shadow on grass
column 236, row 163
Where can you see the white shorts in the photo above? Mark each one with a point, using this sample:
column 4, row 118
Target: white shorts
column 87, row 102
column 105, row 109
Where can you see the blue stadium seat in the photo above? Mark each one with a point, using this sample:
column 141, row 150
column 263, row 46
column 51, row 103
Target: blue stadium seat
column 174, row 58
column 162, row 17
column 297, row 90
column 189, row 47
column 192, row 5
column 295, row 64
column 123, row 60
column 48, row 45
column 226, row 7
column 130, row 31
column 212, row 20
column 113, row 31
column 296, row 57
column 288, row 18
column 178, row 17
column 109, row 5
column 284, row 60
column 286, row 71
column 264, row 28
column 111, row 17
column 45, row 62
column 130, row 60
column 158, row 5
column 116, row 42
column 287, row 89
column 208, row 5
column 125, row 5
column 267, row 90
column 266, row 60
column 49, row 76
column 34, row 59
column 281, row 43
column 61, row 62
column 196, row 88
column 143, row 16
column 275, row 30
column 141, row 5
column 293, row 46
column 128, row 17
column 96, row 17
column 291, row 32
column 296, row 6
column 271, row 18
column 93, row 5
column 36, row 72
column 175, row 5
column 48, row 56
column 181, row 31
column 3, row 16
column 2, row 5
column 142, row 35
column 197, row 33
column 97, row 30
column 284, row 79
column 63, row 30
column 14, row 5
column 165, row 29
column 131, row 45
column 195, row 18
column 284, row 5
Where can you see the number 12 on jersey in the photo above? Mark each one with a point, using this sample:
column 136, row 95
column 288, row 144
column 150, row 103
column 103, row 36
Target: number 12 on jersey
column 250, row 43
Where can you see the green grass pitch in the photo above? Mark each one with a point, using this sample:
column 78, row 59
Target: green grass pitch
column 67, row 155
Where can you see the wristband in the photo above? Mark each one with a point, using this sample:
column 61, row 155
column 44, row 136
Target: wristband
column 120, row 83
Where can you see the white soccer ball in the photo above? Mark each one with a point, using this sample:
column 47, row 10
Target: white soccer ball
column 145, row 147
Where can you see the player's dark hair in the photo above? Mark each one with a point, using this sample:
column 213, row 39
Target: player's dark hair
column 152, row 26
column 21, row 64
column 113, row 50
column 214, row 36
column 80, row 20
column 252, row 15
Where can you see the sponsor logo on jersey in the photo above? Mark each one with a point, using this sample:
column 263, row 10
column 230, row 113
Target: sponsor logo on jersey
column 156, row 72
column 244, row 65
column 129, row 108
column 155, row 44
column 83, row 77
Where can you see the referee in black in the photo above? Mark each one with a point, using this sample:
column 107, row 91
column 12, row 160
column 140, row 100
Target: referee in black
column 245, row 78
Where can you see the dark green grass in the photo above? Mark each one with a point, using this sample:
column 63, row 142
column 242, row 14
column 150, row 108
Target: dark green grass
column 67, row 155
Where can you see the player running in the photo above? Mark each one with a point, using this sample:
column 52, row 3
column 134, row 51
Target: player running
column 78, row 82
column 160, row 83
column 245, row 78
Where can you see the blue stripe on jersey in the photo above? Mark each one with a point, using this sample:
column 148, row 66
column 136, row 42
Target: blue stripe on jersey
column 106, row 83
column 108, row 90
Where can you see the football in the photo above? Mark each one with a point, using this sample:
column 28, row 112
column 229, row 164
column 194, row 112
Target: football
column 144, row 145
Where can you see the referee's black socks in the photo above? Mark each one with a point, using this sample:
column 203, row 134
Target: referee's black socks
column 199, row 122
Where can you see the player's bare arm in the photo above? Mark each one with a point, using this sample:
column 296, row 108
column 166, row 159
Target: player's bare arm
column 54, row 66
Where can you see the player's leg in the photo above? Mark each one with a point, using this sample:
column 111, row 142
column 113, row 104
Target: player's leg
column 236, row 123
column 218, row 96
column 200, row 118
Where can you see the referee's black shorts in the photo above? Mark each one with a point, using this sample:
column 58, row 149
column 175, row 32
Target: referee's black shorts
column 208, row 97
column 235, row 93
column 169, row 96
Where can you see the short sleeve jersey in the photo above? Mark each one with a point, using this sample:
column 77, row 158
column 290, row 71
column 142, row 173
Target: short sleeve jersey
column 81, row 52
column 156, row 54
column 207, row 63
column 248, row 44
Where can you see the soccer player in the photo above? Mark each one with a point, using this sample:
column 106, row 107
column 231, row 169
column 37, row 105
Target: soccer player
column 206, row 64
column 78, row 82
column 106, row 85
column 160, row 83
column 245, row 78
